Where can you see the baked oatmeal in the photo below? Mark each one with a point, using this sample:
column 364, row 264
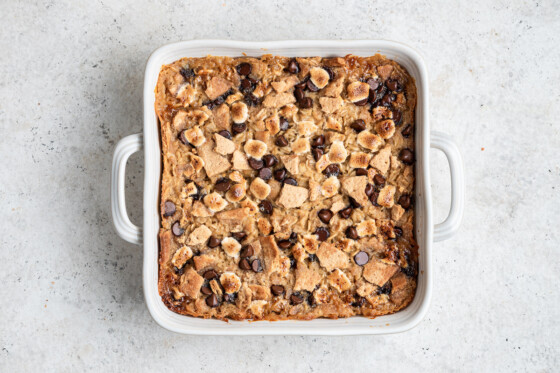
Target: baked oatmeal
column 287, row 188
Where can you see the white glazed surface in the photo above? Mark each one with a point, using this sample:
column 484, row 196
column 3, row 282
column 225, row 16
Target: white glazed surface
column 400, row 321
column 71, row 86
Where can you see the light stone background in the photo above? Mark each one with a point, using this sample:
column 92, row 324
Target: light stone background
column 71, row 76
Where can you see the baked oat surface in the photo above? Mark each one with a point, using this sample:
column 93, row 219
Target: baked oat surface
column 287, row 187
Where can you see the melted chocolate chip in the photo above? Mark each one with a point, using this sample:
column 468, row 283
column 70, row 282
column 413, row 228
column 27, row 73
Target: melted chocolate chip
column 212, row 301
column 407, row 131
column 352, row 233
column 405, row 201
column 293, row 262
column 369, row 190
column 256, row 266
column 361, row 172
column 298, row 94
column 176, row 229
column 322, row 233
column 206, row 290
column 293, row 66
column 186, row 73
column 354, row 203
column 239, row 236
column 373, row 84
column 345, row 213
column 284, row 244
column 247, row 251
column 358, row 125
column 210, row 274
column 293, row 237
column 245, row 264
column 392, row 84
column 398, row 231
column 246, row 86
column 332, row 170
column 312, row 87
column 317, row 153
column 312, row 257
column 406, row 156
column 296, row 298
column 290, row 181
column 385, row 289
column 318, row 141
column 270, row 160
column 168, row 208
column 238, row 128
column 362, row 102
column 284, row 124
column 277, row 290
column 265, row 173
column 213, row 242
column 330, row 72
column 280, row 174
column 361, row 258
column 183, row 138
column 325, row 215
column 397, row 117
column 306, row 103
column 256, row 164
column 226, row 134
column 281, row 141
column 230, row 298
column 244, row 68
column 409, row 270
column 360, row 301
column 373, row 198
column 378, row 179
column 223, row 184
column 265, row 207
column 252, row 100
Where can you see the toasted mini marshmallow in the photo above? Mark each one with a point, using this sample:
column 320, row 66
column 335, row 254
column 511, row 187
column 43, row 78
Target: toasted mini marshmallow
column 236, row 177
column 190, row 189
column 231, row 247
column 346, row 245
column 369, row 140
column 338, row 280
column 357, row 91
column 299, row 252
column 195, row 136
column 330, row 187
column 180, row 120
column 381, row 112
column 310, row 243
column 359, row 160
column 239, row 112
column 215, row 202
column 251, row 206
column 333, row 124
column 337, row 152
column 257, row 307
column 236, row 193
column 321, row 295
column 181, row 256
column 264, row 226
column 260, row 188
column 197, row 162
column 366, row 228
column 318, row 76
column 301, row 146
column 230, row 282
column 306, row 128
column 386, row 196
column 255, row 148
column 385, row 128
column 284, row 266
column 322, row 163
column 272, row 124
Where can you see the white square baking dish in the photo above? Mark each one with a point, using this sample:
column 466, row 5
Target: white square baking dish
column 149, row 142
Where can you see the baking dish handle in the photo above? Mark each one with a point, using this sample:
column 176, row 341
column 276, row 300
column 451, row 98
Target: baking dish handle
column 125, row 148
column 450, row 225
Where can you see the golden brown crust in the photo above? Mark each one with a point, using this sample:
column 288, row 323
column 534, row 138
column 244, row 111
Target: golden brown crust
column 287, row 187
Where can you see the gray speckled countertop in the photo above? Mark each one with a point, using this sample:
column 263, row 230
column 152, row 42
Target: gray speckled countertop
column 71, row 76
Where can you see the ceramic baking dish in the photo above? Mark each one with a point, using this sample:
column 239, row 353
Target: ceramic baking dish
column 150, row 144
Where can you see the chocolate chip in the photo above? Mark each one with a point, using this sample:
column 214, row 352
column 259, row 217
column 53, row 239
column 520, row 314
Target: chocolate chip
column 284, row 244
column 302, row 85
column 373, row 198
column 369, row 190
column 223, row 184
column 213, row 242
column 293, row 237
column 238, row 128
column 225, row 133
column 405, row 201
column 270, row 160
column 378, row 179
column 354, row 203
column 361, row 172
column 168, row 208
column 385, row 289
column 244, row 68
column 281, row 141
column 186, row 73
column 306, row 103
column 407, row 131
column 406, row 156
column 325, row 215
column 296, row 299
column 246, row 86
column 311, row 300
column 345, row 213
column 312, row 257
column 317, row 153
column 392, row 84
column 373, row 84
column 358, row 125
column 318, row 141
column 247, row 251
column 206, row 290
column 398, row 231
column 323, row 233
column 284, row 124
column 397, row 117
column 179, row 271
column 293, row 66
column 280, row 174
column 256, row 266
column 361, row 258
column 183, row 138
column 230, row 298
column 239, row 236
column 299, row 95
column 293, row 262
column 256, row 164
column 360, row 301
column 332, row 170
column 265, row 207
column 330, row 72
column 277, row 290
column 252, row 100
column 290, row 181
column 265, row 173
column 352, row 233
column 362, row 102
column 177, row 230
column 312, row 87
column 212, row 301
column 387, row 99
column 245, row 264
column 210, row 274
